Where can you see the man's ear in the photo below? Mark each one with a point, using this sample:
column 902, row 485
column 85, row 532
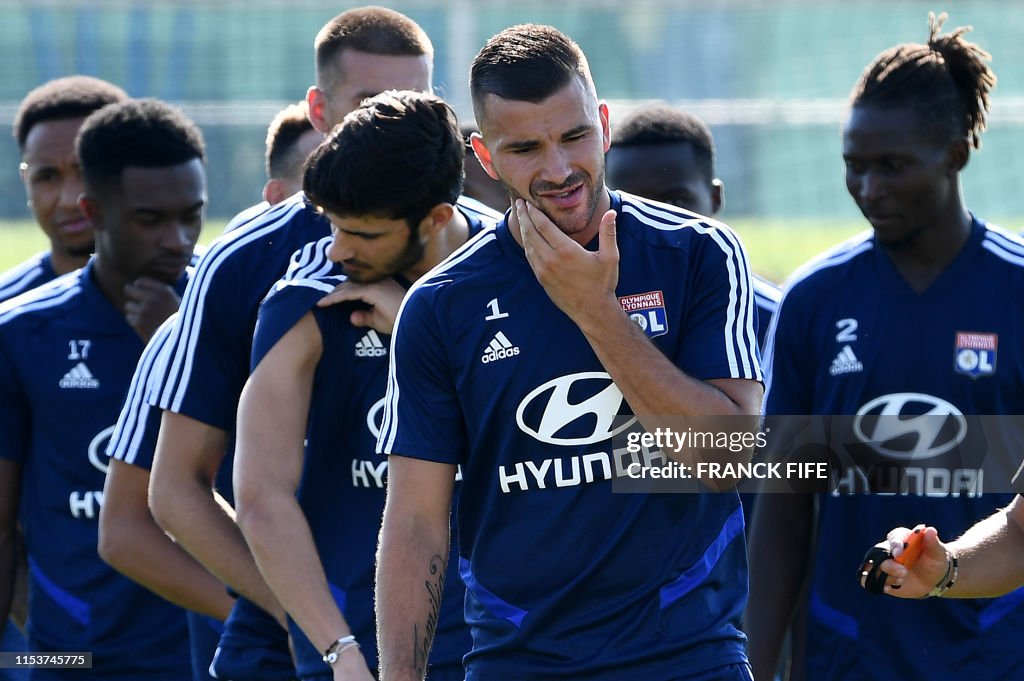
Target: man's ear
column 436, row 220
column 717, row 195
column 959, row 155
column 483, row 155
column 274, row 191
column 92, row 211
column 316, row 109
column 606, row 128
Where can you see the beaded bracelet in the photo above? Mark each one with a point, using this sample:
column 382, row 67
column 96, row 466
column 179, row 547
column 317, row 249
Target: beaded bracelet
column 948, row 579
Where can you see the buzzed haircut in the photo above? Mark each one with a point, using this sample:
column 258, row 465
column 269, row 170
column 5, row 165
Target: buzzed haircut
column 658, row 124
column 526, row 63
column 374, row 30
column 70, row 97
column 146, row 133
column 284, row 132
column 395, row 157
column 946, row 81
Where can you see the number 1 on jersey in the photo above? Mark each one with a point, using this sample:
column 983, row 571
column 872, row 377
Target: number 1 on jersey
column 496, row 313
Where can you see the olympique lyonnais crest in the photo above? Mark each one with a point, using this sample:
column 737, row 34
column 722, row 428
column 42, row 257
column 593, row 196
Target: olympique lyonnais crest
column 648, row 311
column 976, row 353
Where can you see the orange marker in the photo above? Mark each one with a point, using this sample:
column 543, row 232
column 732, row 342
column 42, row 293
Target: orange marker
column 911, row 549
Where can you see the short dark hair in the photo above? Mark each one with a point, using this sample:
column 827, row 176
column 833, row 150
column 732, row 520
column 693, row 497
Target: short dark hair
column 70, row 97
column 657, row 124
column 946, row 82
column 395, row 157
column 375, row 30
column 284, row 132
column 526, row 63
column 146, row 133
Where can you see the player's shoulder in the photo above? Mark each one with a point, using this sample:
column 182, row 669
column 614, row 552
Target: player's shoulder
column 1004, row 246
column 25, row 276
column 50, row 300
column 767, row 295
column 466, row 263
column 830, row 269
column 665, row 226
column 301, row 290
column 482, row 214
column 236, row 247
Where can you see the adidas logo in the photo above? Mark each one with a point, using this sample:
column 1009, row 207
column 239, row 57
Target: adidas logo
column 370, row 345
column 79, row 377
column 499, row 348
column 845, row 362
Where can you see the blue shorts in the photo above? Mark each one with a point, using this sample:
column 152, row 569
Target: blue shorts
column 203, row 636
column 253, row 647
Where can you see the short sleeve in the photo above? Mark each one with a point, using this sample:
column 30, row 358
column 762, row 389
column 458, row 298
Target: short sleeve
column 206, row 360
column 720, row 339
column 284, row 306
column 134, row 438
column 423, row 417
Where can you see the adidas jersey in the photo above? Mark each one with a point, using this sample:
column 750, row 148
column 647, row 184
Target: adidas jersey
column 211, row 339
column 564, row 579
column 66, row 358
column 34, row 272
column 213, row 335
column 851, row 338
column 347, row 406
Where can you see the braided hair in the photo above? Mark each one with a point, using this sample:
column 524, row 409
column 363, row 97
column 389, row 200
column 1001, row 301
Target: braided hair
column 946, row 82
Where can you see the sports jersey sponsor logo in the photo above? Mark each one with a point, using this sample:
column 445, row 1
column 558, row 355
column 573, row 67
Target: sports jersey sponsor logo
column 647, row 310
column 500, row 347
column 98, row 449
column 86, row 503
column 576, row 470
column 375, row 417
column 910, row 426
column 371, row 345
column 79, row 377
column 578, row 409
column 976, row 353
column 369, row 473
column 845, row 362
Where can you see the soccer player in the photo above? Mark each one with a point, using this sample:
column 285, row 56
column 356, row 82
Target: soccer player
column 320, row 374
column 291, row 138
column 129, row 538
column 359, row 53
column 902, row 322
column 513, row 357
column 989, row 559
column 478, row 184
column 67, row 350
column 666, row 154
column 45, row 127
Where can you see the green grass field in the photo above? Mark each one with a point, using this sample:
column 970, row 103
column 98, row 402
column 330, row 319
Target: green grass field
column 776, row 247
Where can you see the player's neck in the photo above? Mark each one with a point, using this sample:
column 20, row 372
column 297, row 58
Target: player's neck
column 451, row 237
column 110, row 282
column 63, row 262
column 924, row 258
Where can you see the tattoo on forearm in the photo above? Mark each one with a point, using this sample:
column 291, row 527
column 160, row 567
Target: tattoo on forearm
column 434, row 585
